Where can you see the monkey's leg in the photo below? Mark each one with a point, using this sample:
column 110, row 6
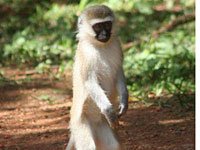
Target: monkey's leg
column 107, row 138
column 70, row 145
column 83, row 136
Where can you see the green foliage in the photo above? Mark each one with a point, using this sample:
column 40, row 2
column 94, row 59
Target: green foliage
column 42, row 34
column 48, row 36
column 164, row 65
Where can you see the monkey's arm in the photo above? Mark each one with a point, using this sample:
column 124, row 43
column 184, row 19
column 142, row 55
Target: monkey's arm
column 99, row 97
column 123, row 92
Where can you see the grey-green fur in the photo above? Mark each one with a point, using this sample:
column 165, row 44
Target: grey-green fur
column 97, row 11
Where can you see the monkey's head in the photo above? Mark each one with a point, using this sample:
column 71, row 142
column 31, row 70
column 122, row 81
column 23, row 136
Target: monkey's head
column 96, row 22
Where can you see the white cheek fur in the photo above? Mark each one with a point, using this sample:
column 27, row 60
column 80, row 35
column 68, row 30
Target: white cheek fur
column 85, row 30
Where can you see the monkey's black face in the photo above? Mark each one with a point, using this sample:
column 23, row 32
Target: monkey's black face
column 103, row 31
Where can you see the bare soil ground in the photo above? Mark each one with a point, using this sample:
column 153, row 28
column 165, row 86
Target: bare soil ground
column 34, row 115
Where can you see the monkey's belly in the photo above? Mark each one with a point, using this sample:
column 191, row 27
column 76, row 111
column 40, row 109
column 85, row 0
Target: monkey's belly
column 92, row 112
column 111, row 92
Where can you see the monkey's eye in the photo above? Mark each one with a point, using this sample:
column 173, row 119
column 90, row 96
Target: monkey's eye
column 97, row 27
column 108, row 25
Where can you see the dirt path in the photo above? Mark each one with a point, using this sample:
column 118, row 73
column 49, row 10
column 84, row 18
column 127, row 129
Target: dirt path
column 34, row 115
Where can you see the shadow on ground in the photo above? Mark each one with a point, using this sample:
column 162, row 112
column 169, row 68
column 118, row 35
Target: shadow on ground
column 27, row 122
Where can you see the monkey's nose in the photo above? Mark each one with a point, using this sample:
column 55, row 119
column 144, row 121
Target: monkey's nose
column 104, row 32
column 103, row 36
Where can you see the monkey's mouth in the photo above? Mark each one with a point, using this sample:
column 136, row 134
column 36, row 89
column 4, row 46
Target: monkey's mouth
column 103, row 38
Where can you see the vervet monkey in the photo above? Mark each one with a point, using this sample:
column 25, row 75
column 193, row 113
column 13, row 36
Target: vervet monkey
column 98, row 82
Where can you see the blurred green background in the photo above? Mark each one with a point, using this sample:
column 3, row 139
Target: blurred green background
column 158, row 39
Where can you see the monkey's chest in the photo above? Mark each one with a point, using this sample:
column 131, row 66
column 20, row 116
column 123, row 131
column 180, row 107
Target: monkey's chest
column 107, row 74
column 105, row 70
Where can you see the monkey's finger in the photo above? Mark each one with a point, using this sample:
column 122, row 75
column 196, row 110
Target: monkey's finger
column 122, row 110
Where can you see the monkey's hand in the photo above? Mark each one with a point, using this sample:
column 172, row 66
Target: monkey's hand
column 123, row 106
column 111, row 117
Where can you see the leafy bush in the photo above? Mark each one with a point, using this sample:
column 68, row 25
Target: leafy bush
column 49, row 37
column 42, row 33
column 163, row 65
